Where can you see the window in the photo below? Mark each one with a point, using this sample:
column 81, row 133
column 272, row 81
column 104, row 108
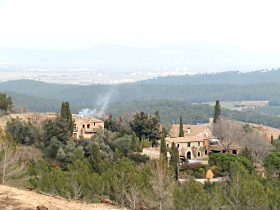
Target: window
column 198, row 154
column 88, row 125
column 189, row 144
column 75, row 126
column 198, row 143
column 93, row 124
column 178, row 145
column 206, row 152
column 83, row 125
column 167, row 145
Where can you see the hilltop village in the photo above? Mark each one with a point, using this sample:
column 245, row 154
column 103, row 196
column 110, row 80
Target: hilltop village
column 114, row 159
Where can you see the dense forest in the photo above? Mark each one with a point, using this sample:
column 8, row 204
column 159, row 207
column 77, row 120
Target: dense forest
column 228, row 86
column 170, row 95
column 109, row 166
column 232, row 77
column 88, row 95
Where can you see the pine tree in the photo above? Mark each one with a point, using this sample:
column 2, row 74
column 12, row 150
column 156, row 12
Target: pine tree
column 181, row 129
column 217, row 111
column 163, row 150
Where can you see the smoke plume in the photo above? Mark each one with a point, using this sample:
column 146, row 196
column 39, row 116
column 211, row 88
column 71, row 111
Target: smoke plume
column 100, row 107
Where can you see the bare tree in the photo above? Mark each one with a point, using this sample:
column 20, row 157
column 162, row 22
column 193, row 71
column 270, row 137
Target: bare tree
column 228, row 132
column 133, row 196
column 10, row 165
column 231, row 133
column 162, row 184
column 257, row 144
column 76, row 189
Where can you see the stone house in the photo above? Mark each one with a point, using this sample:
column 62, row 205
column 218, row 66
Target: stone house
column 192, row 130
column 190, row 147
column 86, row 127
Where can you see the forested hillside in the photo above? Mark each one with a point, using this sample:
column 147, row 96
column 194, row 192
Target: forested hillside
column 229, row 86
column 232, row 77
column 170, row 95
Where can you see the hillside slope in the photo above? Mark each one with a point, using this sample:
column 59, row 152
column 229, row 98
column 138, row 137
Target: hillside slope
column 13, row 198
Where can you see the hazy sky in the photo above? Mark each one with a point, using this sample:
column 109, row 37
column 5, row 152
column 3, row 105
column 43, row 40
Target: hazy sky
column 74, row 24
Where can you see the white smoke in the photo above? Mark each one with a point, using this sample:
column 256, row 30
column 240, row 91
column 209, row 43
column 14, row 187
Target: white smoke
column 100, row 107
column 88, row 113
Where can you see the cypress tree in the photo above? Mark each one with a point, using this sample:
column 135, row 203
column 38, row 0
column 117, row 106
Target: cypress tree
column 163, row 150
column 217, row 111
column 69, row 116
column 157, row 115
column 66, row 115
column 63, row 111
column 95, row 158
column 174, row 159
column 181, row 128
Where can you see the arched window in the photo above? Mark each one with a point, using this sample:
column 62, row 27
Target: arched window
column 189, row 155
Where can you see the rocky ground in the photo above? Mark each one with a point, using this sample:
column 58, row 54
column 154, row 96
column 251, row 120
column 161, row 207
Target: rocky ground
column 17, row 199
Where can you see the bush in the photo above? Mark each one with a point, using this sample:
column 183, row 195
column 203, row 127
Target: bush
column 22, row 132
column 138, row 158
column 272, row 163
column 225, row 160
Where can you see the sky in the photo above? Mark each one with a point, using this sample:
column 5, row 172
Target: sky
column 79, row 24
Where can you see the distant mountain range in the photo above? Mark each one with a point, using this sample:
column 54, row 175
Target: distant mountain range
column 118, row 64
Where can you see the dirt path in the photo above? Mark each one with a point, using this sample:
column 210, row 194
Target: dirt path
column 16, row 199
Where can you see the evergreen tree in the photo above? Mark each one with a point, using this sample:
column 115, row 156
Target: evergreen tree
column 272, row 163
column 6, row 103
column 157, row 115
column 135, row 143
column 22, row 132
column 217, row 111
column 55, row 128
column 146, row 127
column 95, row 158
column 66, row 115
column 190, row 196
column 63, row 111
column 174, row 159
column 111, row 124
column 246, row 152
column 181, row 128
column 163, row 150
column 69, row 116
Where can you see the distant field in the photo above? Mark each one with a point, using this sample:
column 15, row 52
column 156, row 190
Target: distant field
column 238, row 105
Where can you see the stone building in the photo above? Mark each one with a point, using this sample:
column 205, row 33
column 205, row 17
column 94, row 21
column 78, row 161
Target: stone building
column 190, row 147
column 86, row 127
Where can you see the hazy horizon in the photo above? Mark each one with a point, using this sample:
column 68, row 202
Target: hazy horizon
column 72, row 24
column 124, row 41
